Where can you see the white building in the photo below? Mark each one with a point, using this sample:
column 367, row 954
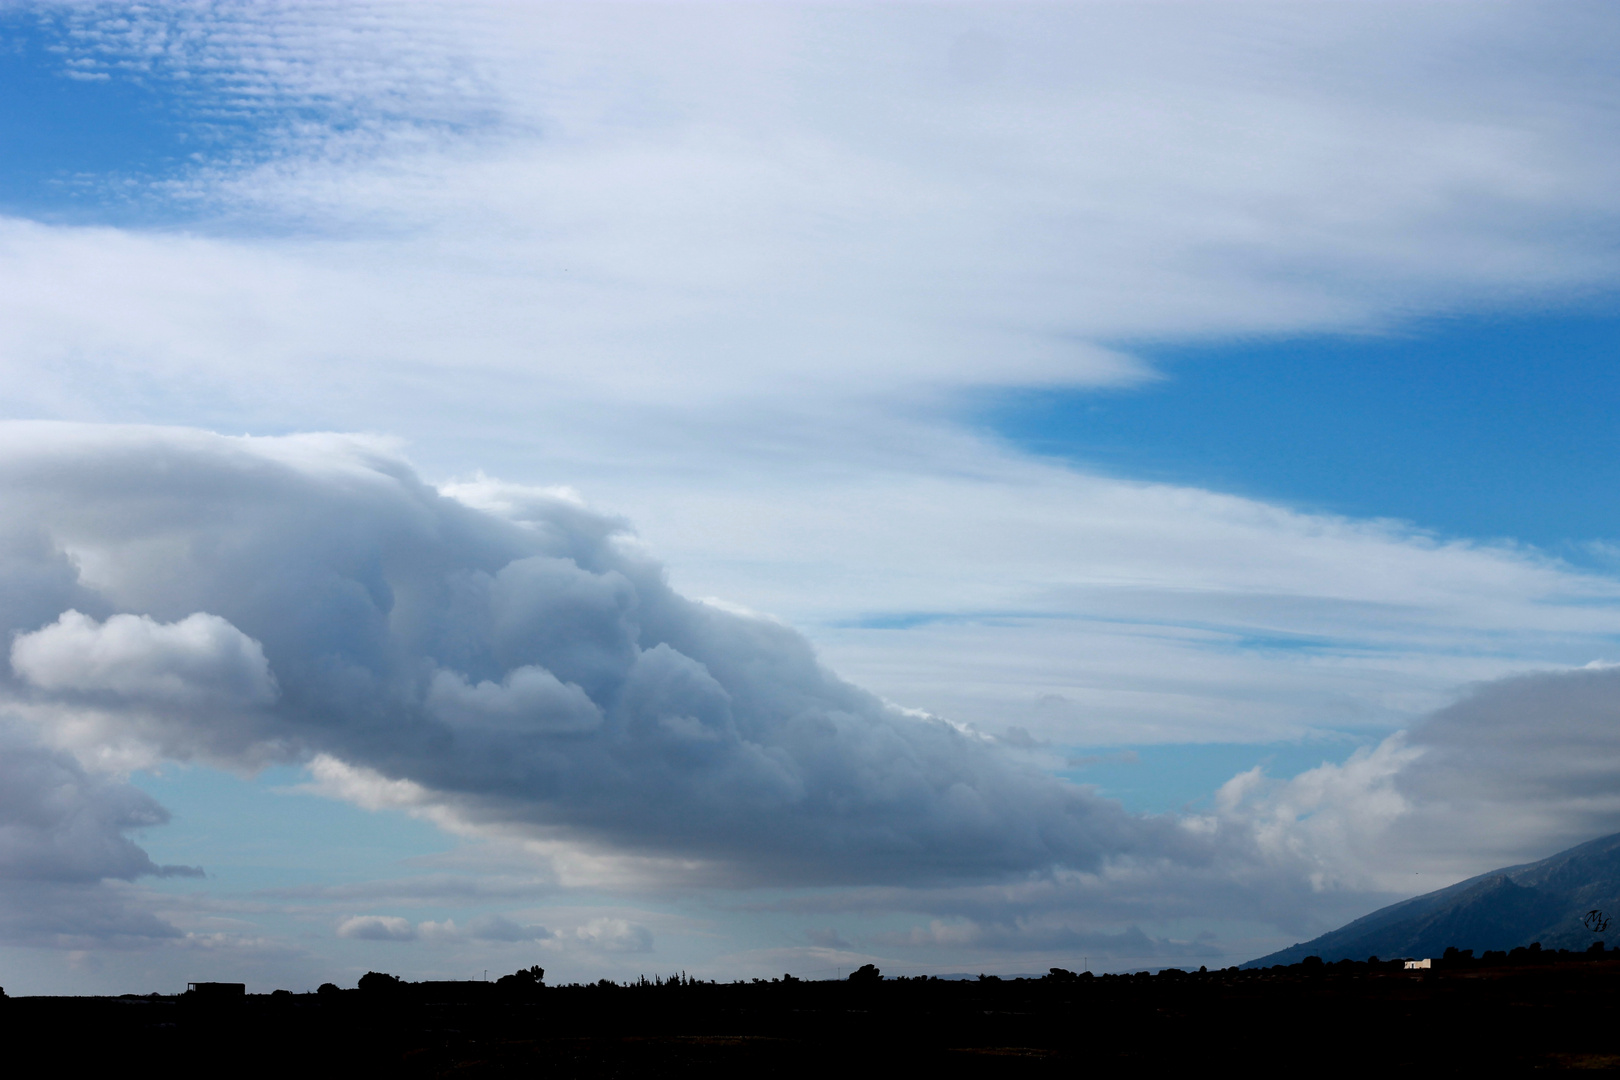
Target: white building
column 1419, row 965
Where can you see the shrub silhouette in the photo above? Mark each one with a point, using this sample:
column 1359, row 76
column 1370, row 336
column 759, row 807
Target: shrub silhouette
column 866, row 973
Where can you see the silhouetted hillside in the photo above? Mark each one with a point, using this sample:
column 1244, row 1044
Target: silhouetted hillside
column 1544, row 901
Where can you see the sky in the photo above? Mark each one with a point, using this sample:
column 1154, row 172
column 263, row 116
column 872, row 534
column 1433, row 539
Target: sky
column 761, row 487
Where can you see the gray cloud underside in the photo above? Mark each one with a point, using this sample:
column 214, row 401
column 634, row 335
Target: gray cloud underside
column 533, row 669
column 62, row 837
column 59, row 824
column 1516, row 769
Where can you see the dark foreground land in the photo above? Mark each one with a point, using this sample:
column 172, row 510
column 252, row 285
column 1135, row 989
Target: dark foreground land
column 1334, row 1019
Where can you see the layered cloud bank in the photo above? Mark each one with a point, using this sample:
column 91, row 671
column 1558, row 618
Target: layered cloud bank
column 508, row 662
column 177, row 595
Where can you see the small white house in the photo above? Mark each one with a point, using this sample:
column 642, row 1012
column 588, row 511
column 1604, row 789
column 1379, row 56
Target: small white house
column 1419, row 965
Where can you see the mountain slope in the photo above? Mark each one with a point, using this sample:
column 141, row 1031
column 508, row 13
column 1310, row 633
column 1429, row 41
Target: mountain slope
column 1542, row 901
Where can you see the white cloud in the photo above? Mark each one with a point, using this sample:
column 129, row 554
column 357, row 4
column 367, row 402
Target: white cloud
column 838, row 216
column 447, row 230
column 201, row 659
column 615, row 935
column 377, row 928
column 129, row 691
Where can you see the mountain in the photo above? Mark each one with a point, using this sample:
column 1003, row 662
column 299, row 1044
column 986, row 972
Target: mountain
column 1544, row 901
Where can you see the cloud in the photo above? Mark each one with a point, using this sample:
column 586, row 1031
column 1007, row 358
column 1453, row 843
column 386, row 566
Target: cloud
column 201, row 659
column 615, row 935
column 377, row 928
column 529, row 675
column 493, row 927
column 534, row 673
column 59, row 823
column 826, row 938
column 436, row 889
column 443, row 228
column 1514, row 770
column 843, row 215
column 1050, row 934
column 63, row 840
column 526, row 673
column 131, row 690
column 488, row 927
column 525, row 696
column 80, row 916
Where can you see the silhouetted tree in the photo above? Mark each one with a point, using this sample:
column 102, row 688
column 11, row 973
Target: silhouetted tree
column 377, row 982
column 524, row 977
column 328, row 988
column 1455, row 957
column 522, row 984
column 866, row 973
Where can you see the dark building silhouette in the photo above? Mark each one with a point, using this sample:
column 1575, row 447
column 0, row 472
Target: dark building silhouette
column 216, row 991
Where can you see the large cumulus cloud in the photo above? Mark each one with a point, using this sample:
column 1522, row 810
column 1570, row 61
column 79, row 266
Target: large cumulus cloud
column 504, row 659
column 241, row 601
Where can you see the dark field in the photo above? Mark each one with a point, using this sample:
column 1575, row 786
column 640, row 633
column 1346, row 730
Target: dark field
column 1339, row 1020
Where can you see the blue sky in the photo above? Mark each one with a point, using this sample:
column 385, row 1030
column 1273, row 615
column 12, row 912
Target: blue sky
column 1193, row 410
column 1510, row 415
column 84, row 148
